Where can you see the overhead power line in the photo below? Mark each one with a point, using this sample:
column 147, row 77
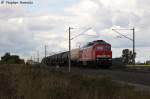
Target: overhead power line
column 133, row 40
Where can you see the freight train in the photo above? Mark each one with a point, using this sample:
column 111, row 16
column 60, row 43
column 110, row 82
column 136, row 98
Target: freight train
column 94, row 54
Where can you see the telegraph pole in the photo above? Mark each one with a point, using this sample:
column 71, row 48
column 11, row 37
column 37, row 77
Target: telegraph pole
column 69, row 56
column 38, row 57
column 132, row 39
column 45, row 50
column 31, row 58
column 34, row 57
column 133, row 45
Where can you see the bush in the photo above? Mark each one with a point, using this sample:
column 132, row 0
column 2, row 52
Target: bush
column 11, row 59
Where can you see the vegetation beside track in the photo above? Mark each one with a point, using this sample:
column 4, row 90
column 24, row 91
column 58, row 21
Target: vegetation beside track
column 138, row 66
column 38, row 82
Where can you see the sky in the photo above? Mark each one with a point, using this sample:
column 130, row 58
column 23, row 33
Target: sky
column 26, row 28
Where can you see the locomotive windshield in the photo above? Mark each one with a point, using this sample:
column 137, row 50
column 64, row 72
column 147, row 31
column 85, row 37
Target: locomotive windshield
column 100, row 48
column 103, row 48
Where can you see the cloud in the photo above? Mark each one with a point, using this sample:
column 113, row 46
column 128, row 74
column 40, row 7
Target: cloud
column 26, row 29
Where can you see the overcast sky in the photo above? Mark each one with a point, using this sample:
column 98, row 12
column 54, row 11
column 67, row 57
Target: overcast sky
column 24, row 29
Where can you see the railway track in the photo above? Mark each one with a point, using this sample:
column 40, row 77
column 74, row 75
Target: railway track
column 135, row 70
column 128, row 75
column 123, row 69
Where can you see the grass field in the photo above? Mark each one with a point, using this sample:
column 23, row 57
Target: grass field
column 37, row 82
column 139, row 65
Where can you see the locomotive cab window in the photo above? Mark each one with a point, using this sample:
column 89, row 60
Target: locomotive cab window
column 103, row 48
column 108, row 48
column 99, row 48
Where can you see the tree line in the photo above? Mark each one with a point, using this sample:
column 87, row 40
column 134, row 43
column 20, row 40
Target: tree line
column 11, row 59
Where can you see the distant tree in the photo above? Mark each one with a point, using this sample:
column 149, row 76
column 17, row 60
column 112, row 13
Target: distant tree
column 11, row 59
column 147, row 62
column 127, row 56
column 5, row 58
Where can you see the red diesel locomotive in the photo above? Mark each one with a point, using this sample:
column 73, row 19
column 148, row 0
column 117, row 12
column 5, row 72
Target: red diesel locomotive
column 94, row 54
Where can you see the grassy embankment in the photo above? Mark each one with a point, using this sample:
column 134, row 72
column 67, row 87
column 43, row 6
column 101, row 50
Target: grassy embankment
column 28, row 82
column 138, row 65
column 142, row 67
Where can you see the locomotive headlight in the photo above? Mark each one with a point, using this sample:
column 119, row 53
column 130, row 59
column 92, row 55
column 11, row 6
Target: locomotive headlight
column 103, row 56
column 108, row 56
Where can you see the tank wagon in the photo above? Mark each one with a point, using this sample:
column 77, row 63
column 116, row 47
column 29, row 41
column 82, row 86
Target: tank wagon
column 95, row 54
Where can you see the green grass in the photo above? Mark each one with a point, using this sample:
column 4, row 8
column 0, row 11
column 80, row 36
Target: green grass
column 138, row 65
column 142, row 67
column 37, row 82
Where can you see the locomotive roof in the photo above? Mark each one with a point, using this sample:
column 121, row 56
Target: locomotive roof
column 100, row 42
column 95, row 42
